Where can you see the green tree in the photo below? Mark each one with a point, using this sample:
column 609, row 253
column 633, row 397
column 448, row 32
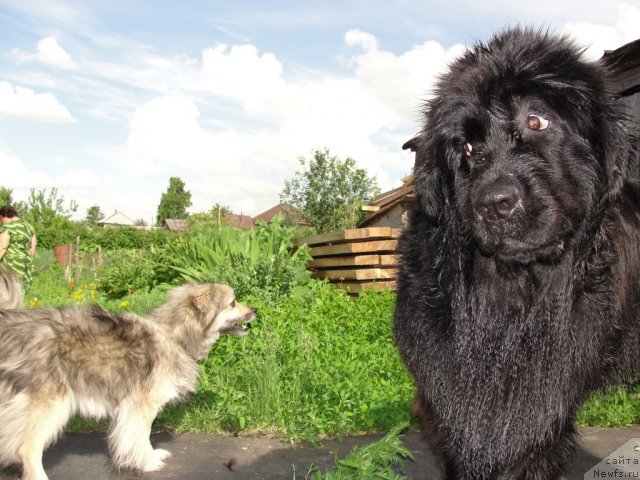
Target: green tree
column 6, row 196
column 219, row 210
column 213, row 218
column 50, row 218
column 174, row 202
column 329, row 192
column 94, row 215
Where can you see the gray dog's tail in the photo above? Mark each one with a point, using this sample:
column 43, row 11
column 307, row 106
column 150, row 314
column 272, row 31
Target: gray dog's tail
column 10, row 290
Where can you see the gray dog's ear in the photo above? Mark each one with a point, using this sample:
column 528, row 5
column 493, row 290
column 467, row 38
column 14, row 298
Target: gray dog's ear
column 216, row 295
column 202, row 298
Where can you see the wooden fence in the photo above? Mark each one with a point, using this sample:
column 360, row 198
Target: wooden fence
column 355, row 259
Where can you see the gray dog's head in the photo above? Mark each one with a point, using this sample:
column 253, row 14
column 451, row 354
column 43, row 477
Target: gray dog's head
column 197, row 314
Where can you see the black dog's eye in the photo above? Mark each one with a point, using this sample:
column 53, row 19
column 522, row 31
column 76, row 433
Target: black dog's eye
column 535, row 122
column 468, row 149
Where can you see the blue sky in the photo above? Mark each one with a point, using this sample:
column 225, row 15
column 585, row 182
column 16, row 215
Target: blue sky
column 107, row 100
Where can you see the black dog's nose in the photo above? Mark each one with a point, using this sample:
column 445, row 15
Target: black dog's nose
column 497, row 200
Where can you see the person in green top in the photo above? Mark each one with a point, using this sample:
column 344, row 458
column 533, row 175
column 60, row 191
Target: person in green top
column 17, row 245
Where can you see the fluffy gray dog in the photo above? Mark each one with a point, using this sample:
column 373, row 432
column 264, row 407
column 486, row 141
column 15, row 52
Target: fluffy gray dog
column 57, row 362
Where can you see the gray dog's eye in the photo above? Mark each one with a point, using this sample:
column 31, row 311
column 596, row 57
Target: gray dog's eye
column 468, row 149
column 534, row 122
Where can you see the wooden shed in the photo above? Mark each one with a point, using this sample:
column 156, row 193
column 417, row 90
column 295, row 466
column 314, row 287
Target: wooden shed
column 175, row 224
column 390, row 209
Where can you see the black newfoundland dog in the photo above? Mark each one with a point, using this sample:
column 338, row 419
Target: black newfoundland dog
column 519, row 283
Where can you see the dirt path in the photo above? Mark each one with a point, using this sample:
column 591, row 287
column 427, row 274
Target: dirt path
column 198, row 457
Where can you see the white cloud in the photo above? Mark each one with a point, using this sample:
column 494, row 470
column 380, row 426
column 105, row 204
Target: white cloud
column 241, row 73
column 17, row 176
column 50, row 12
column 598, row 37
column 400, row 82
column 80, row 185
column 49, row 52
column 366, row 116
column 358, row 38
column 25, row 103
column 232, row 121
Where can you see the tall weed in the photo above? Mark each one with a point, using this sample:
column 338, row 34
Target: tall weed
column 257, row 261
column 368, row 462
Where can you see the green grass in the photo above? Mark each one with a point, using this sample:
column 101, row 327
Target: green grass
column 317, row 363
column 320, row 364
column 617, row 407
column 374, row 461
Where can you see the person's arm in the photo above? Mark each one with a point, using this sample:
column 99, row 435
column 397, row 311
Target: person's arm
column 34, row 243
column 5, row 240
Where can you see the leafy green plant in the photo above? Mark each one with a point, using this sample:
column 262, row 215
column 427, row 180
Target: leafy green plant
column 125, row 271
column 369, row 462
column 614, row 408
column 123, row 238
column 256, row 261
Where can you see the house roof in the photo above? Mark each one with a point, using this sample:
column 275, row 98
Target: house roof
column 175, row 224
column 281, row 209
column 388, row 200
column 118, row 218
column 268, row 215
column 238, row 221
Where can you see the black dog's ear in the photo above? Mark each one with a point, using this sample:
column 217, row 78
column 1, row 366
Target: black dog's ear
column 428, row 180
column 620, row 152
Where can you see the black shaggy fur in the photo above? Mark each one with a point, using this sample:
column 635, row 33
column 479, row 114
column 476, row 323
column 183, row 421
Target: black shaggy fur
column 519, row 275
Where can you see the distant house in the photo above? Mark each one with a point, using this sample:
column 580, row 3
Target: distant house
column 118, row 219
column 174, row 224
column 283, row 210
column 389, row 209
column 238, row 221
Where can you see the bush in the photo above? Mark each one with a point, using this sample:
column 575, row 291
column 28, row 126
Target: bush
column 125, row 271
column 257, row 261
column 123, row 238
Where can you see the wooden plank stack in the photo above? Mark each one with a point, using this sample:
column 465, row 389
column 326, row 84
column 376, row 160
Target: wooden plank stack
column 354, row 259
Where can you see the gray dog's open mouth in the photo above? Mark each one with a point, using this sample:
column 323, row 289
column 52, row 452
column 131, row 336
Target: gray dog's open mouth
column 239, row 326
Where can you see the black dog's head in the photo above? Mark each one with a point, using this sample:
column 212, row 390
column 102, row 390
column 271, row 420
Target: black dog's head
column 523, row 144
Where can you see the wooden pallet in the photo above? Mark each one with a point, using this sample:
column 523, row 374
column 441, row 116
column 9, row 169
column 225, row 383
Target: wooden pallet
column 355, row 259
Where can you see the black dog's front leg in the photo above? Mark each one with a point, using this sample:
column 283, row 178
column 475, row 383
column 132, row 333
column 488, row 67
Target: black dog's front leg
column 546, row 463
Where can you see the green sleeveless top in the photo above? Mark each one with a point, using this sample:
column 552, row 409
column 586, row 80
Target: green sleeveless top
column 18, row 257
